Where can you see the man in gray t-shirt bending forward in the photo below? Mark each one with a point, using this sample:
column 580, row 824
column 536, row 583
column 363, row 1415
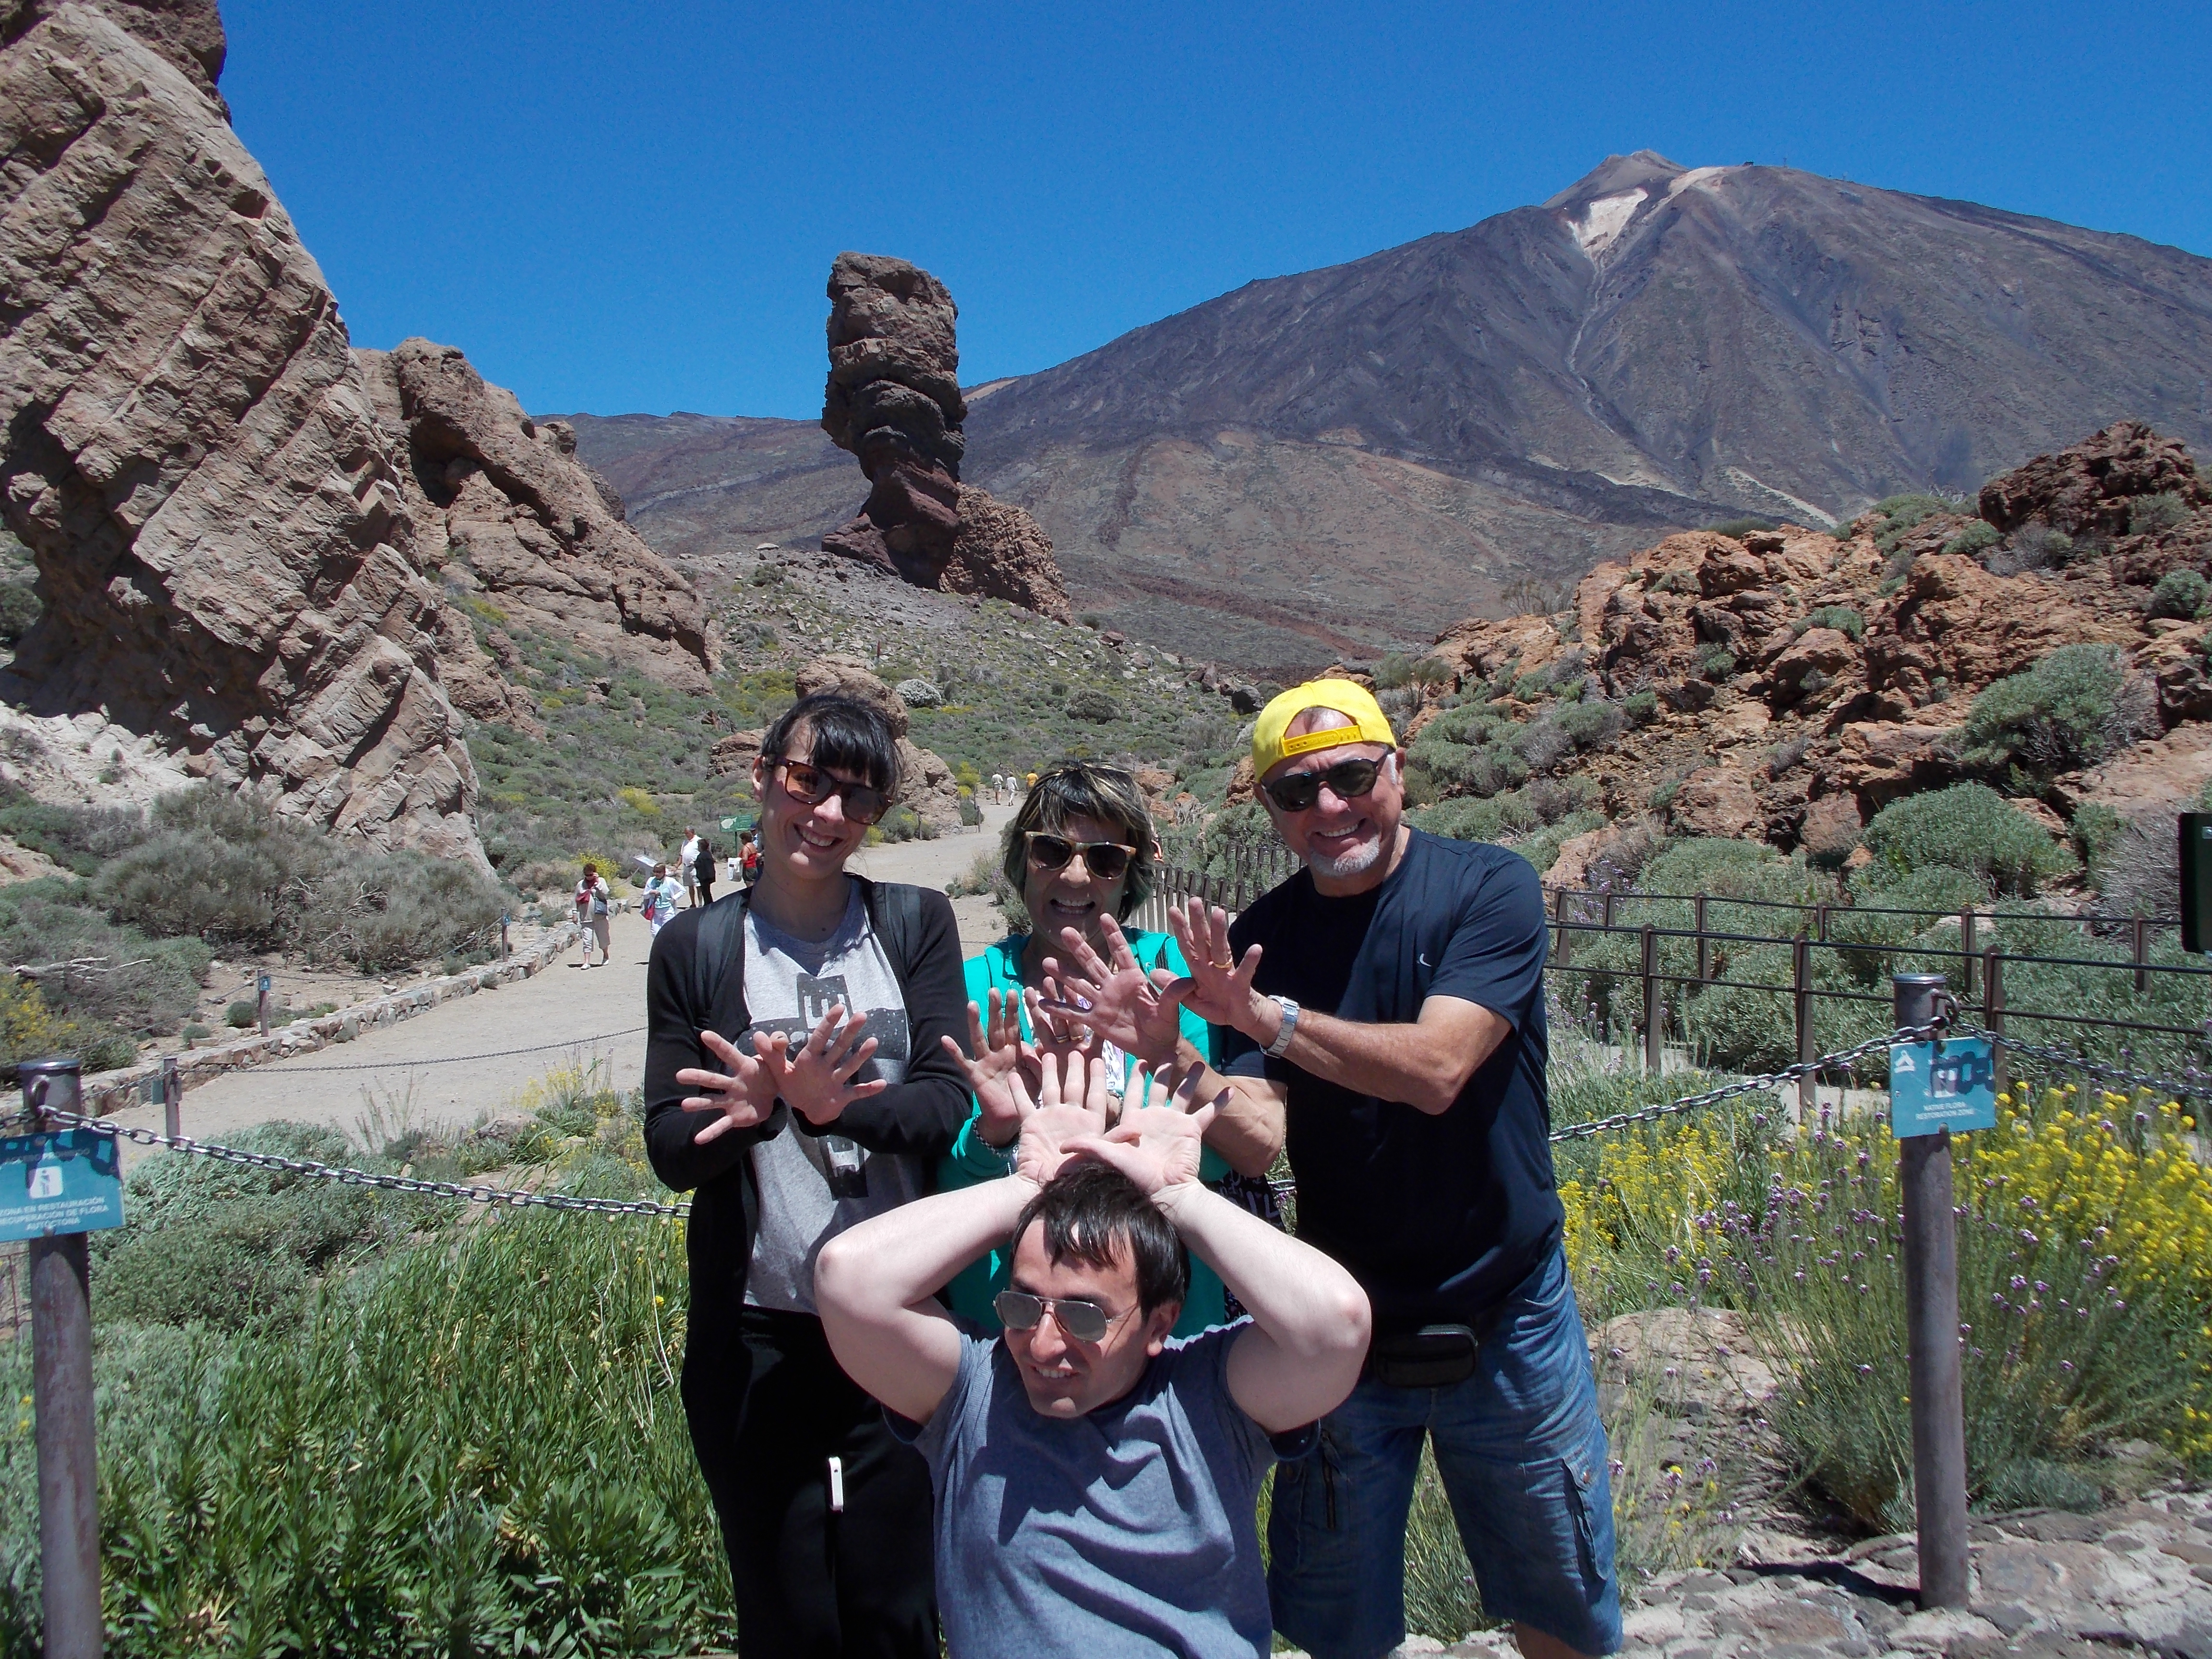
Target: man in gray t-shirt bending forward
column 1095, row 1477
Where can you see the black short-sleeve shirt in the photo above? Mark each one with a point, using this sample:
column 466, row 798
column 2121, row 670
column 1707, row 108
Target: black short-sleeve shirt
column 1438, row 1216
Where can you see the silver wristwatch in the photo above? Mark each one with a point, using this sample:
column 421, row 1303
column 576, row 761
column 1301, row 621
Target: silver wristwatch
column 1283, row 1034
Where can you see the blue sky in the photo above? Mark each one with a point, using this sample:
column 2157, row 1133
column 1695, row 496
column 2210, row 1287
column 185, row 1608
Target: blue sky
column 619, row 207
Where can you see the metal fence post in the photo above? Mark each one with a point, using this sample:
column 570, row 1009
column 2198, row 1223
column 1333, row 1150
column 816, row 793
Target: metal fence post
column 2142, row 952
column 1704, row 944
column 1801, row 989
column 504, row 919
column 1654, row 1015
column 172, row 1098
column 1966, row 953
column 1931, row 1318
column 1993, row 1010
column 60, row 1387
column 1605, row 918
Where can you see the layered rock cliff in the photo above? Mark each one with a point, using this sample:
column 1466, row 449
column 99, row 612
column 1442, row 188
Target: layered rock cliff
column 228, row 568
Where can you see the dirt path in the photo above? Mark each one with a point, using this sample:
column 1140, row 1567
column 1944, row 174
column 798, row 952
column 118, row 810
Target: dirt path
column 454, row 1063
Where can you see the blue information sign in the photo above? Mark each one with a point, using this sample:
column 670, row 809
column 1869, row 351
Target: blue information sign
column 1946, row 1085
column 65, row 1182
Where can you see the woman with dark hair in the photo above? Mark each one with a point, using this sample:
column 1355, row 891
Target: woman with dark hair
column 703, row 868
column 1082, row 854
column 803, row 1072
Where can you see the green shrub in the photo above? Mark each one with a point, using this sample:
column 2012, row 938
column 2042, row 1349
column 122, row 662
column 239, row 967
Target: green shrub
column 1841, row 617
column 2031, row 547
column 1901, row 514
column 30, row 1029
column 901, row 823
column 2068, row 711
column 1739, row 528
column 2147, row 515
column 2180, row 593
column 1542, row 847
column 1094, row 706
column 244, row 1012
column 1967, row 827
column 80, row 837
column 1641, row 707
column 1398, row 669
column 1717, row 662
column 1976, row 538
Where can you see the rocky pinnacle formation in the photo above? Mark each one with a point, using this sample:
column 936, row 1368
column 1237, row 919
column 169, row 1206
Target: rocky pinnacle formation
column 893, row 399
column 225, row 561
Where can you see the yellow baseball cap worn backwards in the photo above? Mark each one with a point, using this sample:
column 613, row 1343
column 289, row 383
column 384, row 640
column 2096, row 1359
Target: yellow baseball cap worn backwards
column 1347, row 697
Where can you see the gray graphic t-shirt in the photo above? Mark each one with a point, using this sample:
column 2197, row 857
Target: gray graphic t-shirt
column 1128, row 1532
column 814, row 1186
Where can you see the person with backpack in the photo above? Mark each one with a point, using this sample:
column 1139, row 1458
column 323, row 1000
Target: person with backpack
column 797, row 1083
column 593, row 913
column 749, row 858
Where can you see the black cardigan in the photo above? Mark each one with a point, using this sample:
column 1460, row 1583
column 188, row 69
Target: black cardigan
column 922, row 1115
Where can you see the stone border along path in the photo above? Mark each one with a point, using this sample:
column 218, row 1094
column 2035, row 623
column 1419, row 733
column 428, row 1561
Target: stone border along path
column 440, row 1054
column 2134, row 1579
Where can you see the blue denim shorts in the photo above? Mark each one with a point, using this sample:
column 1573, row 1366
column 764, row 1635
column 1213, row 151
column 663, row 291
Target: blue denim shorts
column 1522, row 1454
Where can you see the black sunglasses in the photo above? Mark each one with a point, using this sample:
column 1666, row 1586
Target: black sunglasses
column 863, row 803
column 1087, row 1321
column 1346, row 780
column 1105, row 859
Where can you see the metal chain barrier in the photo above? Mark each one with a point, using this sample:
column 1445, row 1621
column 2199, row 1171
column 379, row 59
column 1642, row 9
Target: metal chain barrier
column 2201, row 1090
column 512, row 1197
column 452, row 1060
column 1760, row 1084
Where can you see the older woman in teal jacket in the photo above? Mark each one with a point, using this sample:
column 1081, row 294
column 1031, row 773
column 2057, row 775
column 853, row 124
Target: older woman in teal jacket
column 1081, row 849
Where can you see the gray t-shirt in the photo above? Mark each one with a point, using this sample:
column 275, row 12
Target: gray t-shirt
column 814, row 1186
column 1128, row 1531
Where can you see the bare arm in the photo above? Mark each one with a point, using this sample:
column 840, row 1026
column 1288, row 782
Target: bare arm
column 876, row 1287
column 1424, row 1064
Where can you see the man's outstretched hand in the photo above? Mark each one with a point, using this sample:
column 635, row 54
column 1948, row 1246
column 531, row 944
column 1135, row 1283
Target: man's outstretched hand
column 1158, row 1145
column 1072, row 1112
column 1219, row 987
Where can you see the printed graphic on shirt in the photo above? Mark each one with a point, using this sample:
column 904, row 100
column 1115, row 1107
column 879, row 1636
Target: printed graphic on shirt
column 816, row 996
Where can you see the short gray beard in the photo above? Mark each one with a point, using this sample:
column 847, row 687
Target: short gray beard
column 1357, row 862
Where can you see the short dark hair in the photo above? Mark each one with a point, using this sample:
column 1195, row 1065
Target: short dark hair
column 1091, row 1212
column 846, row 733
column 1085, row 789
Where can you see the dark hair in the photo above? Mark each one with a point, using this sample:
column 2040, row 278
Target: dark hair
column 846, row 734
column 1082, row 789
column 1091, row 1212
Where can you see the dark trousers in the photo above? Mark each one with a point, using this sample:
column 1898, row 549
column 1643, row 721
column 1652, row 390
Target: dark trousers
column 813, row 1583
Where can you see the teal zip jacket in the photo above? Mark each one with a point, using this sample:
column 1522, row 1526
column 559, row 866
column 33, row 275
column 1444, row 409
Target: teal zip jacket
column 972, row 1159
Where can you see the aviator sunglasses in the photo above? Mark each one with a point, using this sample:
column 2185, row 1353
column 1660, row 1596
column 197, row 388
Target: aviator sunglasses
column 813, row 786
column 1087, row 1321
column 1105, row 859
column 1347, row 780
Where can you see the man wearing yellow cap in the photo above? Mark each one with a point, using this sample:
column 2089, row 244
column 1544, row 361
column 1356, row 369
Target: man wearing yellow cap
column 1389, row 999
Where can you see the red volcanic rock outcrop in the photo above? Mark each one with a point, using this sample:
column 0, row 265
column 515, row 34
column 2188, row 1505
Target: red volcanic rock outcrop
column 893, row 399
column 2092, row 485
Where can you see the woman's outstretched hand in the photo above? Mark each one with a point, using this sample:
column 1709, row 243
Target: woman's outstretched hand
column 1111, row 993
column 741, row 1092
column 816, row 1080
column 1005, row 1075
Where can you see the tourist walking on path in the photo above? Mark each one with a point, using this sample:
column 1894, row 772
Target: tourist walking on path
column 687, row 862
column 1097, row 1476
column 1081, row 853
column 1389, row 997
column 797, row 1083
column 702, row 870
column 658, row 903
column 749, row 858
column 593, row 909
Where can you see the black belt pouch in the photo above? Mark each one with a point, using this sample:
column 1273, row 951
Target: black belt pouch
column 1432, row 1357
